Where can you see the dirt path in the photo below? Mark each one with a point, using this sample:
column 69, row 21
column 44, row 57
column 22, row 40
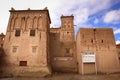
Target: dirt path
column 70, row 77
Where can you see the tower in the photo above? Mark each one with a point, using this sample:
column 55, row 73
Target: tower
column 67, row 28
column 27, row 39
column 63, row 55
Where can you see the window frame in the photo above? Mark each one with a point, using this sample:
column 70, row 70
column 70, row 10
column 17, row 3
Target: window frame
column 17, row 32
column 32, row 32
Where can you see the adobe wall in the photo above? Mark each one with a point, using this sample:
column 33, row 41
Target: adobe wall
column 118, row 51
column 101, row 42
column 62, row 61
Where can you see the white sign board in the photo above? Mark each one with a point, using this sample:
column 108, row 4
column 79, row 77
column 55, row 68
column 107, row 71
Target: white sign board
column 88, row 57
column 63, row 58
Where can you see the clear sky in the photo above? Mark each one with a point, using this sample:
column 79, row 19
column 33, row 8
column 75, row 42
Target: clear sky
column 87, row 13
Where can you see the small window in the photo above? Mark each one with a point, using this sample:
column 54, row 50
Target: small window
column 67, row 32
column 23, row 63
column 91, row 41
column 101, row 41
column 82, row 36
column 34, row 48
column 17, row 33
column 14, row 49
column 1, row 45
column 23, row 18
column 32, row 32
column 67, row 50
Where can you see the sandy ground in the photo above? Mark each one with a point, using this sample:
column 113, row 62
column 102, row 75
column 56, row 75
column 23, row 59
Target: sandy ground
column 70, row 77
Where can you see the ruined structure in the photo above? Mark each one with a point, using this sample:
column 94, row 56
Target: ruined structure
column 31, row 46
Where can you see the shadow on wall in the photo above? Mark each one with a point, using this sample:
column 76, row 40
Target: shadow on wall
column 2, row 60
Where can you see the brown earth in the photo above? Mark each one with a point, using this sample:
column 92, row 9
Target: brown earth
column 70, row 77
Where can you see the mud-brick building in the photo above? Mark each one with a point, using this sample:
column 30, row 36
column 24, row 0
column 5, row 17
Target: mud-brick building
column 96, row 51
column 27, row 42
column 31, row 46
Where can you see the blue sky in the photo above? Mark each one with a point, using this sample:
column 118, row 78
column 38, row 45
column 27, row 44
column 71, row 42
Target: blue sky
column 87, row 13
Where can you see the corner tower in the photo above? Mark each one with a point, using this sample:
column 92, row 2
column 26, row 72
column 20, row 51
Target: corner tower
column 27, row 39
